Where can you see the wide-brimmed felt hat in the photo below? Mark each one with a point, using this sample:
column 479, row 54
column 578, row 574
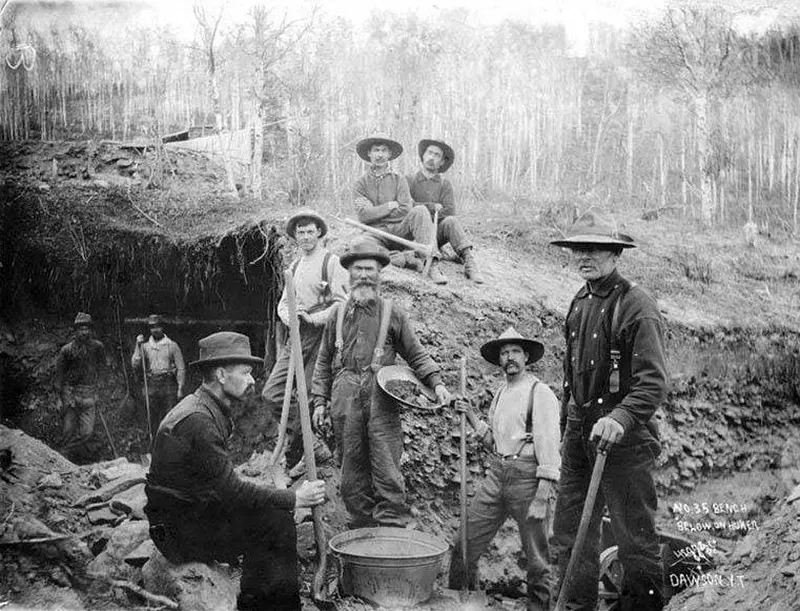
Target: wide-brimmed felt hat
column 82, row 320
column 395, row 148
column 155, row 320
column 365, row 248
column 491, row 349
column 225, row 347
column 308, row 215
column 448, row 154
column 594, row 229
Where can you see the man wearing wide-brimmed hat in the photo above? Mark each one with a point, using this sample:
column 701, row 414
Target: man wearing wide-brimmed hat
column 78, row 369
column 430, row 188
column 522, row 434
column 383, row 201
column 614, row 381
column 364, row 334
column 319, row 282
column 199, row 509
column 162, row 360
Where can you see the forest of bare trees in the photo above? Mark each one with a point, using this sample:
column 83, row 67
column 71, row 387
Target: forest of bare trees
column 688, row 112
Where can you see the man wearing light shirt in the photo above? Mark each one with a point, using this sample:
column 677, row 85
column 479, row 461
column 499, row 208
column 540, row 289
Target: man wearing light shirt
column 523, row 432
column 165, row 370
column 320, row 282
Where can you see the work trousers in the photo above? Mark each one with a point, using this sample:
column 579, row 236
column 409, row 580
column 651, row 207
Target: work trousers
column 162, row 392
column 628, row 489
column 508, row 490
column 450, row 231
column 275, row 386
column 266, row 538
column 80, row 413
column 416, row 226
column 367, row 427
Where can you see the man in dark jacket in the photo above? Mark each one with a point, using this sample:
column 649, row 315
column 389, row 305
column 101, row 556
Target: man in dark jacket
column 429, row 188
column 199, row 509
column 614, row 381
column 79, row 367
column 362, row 335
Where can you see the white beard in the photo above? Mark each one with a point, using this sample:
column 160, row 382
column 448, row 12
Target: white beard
column 364, row 293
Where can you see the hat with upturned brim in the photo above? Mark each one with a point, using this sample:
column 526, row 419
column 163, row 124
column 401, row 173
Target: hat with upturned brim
column 307, row 215
column 491, row 349
column 155, row 320
column 448, row 155
column 82, row 320
column 363, row 147
column 225, row 348
column 365, row 248
column 593, row 229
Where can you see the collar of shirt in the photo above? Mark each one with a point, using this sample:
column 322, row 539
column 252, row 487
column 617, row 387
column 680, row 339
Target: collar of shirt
column 212, row 401
column 601, row 288
column 422, row 176
column 380, row 174
column 156, row 343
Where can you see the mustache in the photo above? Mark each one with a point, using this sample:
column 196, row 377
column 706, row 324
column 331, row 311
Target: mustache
column 365, row 282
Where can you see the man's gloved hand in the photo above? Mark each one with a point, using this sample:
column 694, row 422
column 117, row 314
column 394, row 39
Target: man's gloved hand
column 461, row 405
column 545, row 493
column 607, row 432
column 310, row 494
column 139, row 339
column 318, row 417
column 443, row 395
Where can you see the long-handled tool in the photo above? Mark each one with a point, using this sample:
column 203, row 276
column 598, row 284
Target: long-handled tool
column 146, row 394
column 277, row 453
column 318, row 590
column 434, row 243
column 424, row 249
column 108, row 433
column 583, row 528
column 463, row 474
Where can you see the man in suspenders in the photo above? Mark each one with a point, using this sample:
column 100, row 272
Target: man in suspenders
column 614, row 380
column 522, row 431
column 363, row 335
column 319, row 283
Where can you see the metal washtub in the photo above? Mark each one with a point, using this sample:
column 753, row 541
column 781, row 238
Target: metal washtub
column 391, row 567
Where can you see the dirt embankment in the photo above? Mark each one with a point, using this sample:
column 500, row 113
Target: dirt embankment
column 193, row 254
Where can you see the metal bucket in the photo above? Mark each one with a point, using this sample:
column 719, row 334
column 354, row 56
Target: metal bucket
column 391, row 567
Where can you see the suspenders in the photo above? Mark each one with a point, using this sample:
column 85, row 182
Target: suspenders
column 528, row 438
column 383, row 332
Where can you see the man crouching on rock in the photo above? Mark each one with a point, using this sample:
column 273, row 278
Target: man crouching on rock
column 199, row 509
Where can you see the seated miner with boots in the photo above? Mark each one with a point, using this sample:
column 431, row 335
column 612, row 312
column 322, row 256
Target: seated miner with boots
column 200, row 510
column 162, row 361
column 383, row 201
column 320, row 281
column 614, row 381
column 78, row 370
column 430, row 188
column 364, row 334
column 522, row 432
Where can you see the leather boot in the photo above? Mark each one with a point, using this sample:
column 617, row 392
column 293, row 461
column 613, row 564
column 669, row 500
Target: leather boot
column 436, row 274
column 414, row 262
column 471, row 266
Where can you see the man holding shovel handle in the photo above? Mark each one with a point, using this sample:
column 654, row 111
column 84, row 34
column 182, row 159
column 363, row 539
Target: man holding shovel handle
column 614, row 381
column 522, row 432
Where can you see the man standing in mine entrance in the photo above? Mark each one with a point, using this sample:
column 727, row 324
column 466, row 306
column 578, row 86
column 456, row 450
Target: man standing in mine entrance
column 430, row 188
column 78, row 368
column 364, row 334
column 614, row 381
column 199, row 509
column 522, row 432
column 164, row 368
column 320, row 282
column 383, row 201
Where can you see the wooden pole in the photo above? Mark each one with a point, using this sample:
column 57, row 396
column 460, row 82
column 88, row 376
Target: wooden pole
column 434, row 242
column 463, row 473
column 415, row 246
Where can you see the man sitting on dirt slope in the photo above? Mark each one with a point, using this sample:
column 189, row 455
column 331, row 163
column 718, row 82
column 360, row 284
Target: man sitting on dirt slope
column 364, row 334
column 165, row 370
column 319, row 283
column 429, row 188
column 614, row 381
column 200, row 510
column 383, row 201
column 78, row 369
column 523, row 471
